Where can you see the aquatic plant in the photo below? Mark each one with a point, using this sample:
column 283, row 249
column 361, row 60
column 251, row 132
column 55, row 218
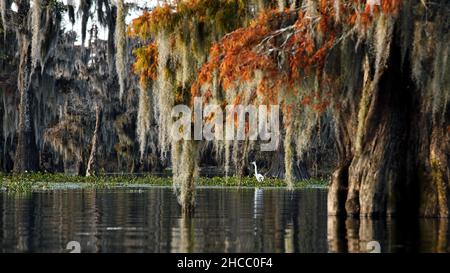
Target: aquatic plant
column 29, row 182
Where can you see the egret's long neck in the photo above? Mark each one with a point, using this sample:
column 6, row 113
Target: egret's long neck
column 256, row 170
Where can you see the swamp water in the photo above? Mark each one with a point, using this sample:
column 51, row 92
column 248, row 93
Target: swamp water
column 148, row 219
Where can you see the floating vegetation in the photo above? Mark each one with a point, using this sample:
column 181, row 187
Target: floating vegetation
column 47, row 181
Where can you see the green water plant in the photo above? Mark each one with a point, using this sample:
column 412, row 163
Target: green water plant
column 27, row 182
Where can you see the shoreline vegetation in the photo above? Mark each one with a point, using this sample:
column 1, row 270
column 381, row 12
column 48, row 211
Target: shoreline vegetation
column 28, row 182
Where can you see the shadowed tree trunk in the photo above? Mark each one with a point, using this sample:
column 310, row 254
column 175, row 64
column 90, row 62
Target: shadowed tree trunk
column 277, row 167
column 395, row 159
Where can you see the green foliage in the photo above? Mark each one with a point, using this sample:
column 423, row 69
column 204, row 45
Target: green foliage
column 23, row 183
column 193, row 26
column 220, row 16
column 16, row 184
column 250, row 181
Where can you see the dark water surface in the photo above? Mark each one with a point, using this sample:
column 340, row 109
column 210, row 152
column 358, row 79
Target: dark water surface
column 225, row 220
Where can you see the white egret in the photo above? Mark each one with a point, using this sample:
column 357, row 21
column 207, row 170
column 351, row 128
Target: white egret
column 259, row 177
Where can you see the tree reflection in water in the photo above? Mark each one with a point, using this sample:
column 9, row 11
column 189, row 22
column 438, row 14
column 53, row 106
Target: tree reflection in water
column 150, row 220
column 225, row 220
column 394, row 235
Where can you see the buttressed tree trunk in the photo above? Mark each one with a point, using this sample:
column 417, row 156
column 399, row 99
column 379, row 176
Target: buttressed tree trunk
column 394, row 138
column 26, row 157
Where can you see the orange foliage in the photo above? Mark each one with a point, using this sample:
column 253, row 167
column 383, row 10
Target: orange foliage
column 146, row 24
column 238, row 55
column 391, row 6
column 146, row 63
column 235, row 59
column 258, row 47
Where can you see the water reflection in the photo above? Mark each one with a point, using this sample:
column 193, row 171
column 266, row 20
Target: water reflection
column 225, row 220
column 149, row 220
column 421, row 235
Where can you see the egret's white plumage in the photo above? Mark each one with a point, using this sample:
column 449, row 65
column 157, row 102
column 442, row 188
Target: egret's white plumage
column 259, row 177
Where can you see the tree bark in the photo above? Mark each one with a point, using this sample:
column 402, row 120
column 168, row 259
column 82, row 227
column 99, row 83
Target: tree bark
column 92, row 163
column 277, row 167
column 395, row 160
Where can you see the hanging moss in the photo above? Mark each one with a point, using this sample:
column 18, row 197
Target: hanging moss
column 165, row 99
column 189, row 174
column 364, row 105
column 4, row 6
column 381, row 45
column 67, row 138
column 289, row 157
column 185, row 172
column 305, row 124
column 337, row 9
column 120, row 42
column 36, row 32
column 144, row 117
column 84, row 9
column 71, row 12
column 441, row 70
column 281, row 5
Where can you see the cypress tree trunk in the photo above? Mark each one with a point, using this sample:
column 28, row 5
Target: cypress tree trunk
column 377, row 172
column 400, row 164
column 277, row 167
